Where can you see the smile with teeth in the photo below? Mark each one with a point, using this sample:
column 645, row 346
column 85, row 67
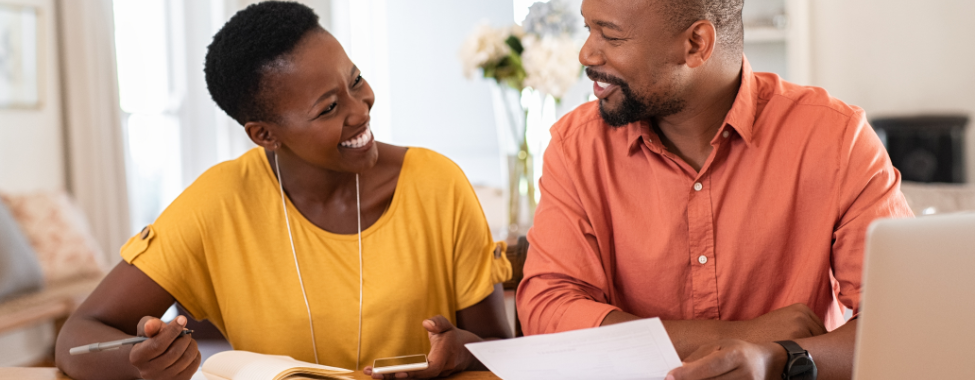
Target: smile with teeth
column 602, row 84
column 359, row 140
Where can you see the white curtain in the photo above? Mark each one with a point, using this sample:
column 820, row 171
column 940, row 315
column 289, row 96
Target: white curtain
column 93, row 130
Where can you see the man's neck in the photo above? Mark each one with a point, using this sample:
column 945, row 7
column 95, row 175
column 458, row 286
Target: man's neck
column 688, row 134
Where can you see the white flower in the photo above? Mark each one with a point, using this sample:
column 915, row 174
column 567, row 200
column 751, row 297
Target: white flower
column 551, row 64
column 552, row 18
column 484, row 46
column 517, row 31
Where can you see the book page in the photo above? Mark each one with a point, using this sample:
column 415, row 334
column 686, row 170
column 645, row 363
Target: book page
column 245, row 365
column 632, row 350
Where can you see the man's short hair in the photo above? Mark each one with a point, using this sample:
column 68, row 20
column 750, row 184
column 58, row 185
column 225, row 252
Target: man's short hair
column 724, row 14
column 246, row 49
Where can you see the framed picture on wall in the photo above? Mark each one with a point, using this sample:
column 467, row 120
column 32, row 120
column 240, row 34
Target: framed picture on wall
column 19, row 64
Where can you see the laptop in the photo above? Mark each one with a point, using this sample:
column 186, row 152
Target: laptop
column 917, row 312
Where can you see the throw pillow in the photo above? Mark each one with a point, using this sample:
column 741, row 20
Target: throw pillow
column 57, row 230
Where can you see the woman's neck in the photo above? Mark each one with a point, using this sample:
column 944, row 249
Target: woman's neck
column 310, row 183
column 327, row 198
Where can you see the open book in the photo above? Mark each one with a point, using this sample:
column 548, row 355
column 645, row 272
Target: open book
column 246, row 365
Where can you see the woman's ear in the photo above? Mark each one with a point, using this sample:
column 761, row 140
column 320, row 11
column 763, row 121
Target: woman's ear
column 260, row 134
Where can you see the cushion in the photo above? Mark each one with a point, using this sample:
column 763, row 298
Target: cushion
column 20, row 272
column 59, row 234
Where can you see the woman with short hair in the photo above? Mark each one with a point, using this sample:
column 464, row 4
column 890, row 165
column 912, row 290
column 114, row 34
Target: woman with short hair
column 321, row 243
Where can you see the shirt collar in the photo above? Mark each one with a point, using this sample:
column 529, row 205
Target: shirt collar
column 741, row 116
column 637, row 133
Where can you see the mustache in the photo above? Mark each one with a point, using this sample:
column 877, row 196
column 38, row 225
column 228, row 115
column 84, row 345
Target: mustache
column 596, row 76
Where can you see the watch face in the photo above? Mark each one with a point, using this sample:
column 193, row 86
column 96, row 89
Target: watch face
column 802, row 368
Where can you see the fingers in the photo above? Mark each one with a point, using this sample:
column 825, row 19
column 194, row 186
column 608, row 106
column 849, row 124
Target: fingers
column 435, row 367
column 438, row 359
column 437, row 325
column 441, row 352
column 390, row 376
column 813, row 324
column 149, row 326
column 819, row 327
column 175, row 353
column 165, row 354
column 443, row 349
column 732, row 359
column 159, row 340
column 701, row 352
column 368, row 372
column 162, row 340
column 191, row 367
column 718, row 362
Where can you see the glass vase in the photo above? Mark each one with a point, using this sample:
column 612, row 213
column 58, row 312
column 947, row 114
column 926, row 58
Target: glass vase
column 512, row 110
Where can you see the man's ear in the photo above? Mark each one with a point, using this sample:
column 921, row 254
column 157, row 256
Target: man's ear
column 260, row 134
column 699, row 43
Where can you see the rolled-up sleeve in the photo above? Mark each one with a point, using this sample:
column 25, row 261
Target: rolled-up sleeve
column 565, row 286
column 869, row 190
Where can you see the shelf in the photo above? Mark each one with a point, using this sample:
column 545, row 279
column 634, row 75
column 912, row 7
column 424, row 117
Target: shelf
column 765, row 34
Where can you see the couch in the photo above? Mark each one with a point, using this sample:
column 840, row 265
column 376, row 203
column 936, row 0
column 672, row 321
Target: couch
column 49, row 262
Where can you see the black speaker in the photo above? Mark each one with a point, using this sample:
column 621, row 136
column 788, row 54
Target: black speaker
column 925, row 148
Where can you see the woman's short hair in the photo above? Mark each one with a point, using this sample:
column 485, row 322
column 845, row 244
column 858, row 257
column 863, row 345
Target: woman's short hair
column 245, row 50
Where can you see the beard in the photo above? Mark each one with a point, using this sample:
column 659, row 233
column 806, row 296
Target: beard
column 635, row 106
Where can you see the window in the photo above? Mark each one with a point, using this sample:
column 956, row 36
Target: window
column 150, row 102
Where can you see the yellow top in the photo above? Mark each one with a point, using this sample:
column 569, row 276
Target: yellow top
column 222, row 250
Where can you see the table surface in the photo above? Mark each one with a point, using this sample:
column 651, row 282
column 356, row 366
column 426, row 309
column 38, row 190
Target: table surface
column 55, row 374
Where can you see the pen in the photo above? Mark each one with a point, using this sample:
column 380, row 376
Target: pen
column 114, row 345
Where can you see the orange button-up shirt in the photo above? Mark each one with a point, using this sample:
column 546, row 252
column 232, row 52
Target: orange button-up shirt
column 781, row 205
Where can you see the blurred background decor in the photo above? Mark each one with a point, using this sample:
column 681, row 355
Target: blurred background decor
column 18, row 56
column 49, row 263
column 925, row 148
column 533, row 66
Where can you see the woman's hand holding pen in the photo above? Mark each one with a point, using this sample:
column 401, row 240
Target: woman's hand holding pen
column 165, row 355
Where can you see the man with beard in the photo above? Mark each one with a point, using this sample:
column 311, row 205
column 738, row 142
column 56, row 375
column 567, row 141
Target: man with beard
column 731, row 204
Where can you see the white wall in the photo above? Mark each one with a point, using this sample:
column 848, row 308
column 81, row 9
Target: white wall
column 898, row 57
column 32, row 158
column 31, row 140
column 432, row 104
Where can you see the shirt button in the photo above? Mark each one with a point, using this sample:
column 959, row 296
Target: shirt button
column 702, row 259
column 725, row 134
column 698, row 186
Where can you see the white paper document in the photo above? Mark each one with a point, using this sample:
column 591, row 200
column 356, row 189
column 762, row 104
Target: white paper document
column 638, row 350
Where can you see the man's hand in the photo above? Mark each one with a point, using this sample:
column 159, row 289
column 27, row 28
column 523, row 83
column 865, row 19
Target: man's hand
column 165, row 355
column 447, row 352
column 733, row 359
column 788, row 323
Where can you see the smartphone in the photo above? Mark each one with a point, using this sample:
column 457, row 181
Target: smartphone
column 400, row 364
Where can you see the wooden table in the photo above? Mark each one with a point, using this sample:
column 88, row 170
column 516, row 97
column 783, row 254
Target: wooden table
column 54, row 374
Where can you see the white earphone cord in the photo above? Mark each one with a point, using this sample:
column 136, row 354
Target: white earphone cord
column 358, row 349
column 294, row 253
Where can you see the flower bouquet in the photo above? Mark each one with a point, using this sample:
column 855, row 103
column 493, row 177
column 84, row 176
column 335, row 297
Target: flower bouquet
column 537, row 59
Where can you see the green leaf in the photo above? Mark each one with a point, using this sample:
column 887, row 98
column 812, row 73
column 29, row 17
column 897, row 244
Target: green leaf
column 515, row 44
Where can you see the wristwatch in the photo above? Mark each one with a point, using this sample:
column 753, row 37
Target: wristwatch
column 800, row 365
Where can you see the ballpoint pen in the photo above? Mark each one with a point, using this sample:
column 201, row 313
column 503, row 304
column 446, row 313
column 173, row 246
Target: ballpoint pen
column 114, row 345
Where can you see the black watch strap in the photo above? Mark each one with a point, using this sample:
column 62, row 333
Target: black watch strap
column 800, row 364
column 792, row 348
